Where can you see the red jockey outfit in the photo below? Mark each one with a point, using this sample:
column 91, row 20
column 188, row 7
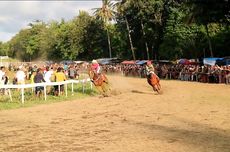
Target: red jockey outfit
column 95, row 66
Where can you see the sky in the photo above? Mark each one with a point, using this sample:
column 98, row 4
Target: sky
column 15, row 15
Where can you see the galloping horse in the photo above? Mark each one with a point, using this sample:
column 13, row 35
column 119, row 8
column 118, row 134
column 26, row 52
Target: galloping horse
column 154, row 81
column 99, row 80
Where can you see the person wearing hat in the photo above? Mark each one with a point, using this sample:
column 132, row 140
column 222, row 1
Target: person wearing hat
column 152, row 78
column 96, row 67
column 149, row 68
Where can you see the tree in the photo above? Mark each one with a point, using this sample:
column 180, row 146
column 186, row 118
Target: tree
column 106, row 14
column 180, row 40
column 88, row 37
column 206, row 12
column 121, row 11
column 1, row 48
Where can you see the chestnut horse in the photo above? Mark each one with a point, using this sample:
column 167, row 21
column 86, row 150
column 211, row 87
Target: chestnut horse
column 154, row 82
column 99, row 80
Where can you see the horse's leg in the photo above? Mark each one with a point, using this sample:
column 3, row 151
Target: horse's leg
column 154, row 89
column 100, row 90
column 159, row 85
column 158, row 82
column 105, row 89
column 105, row 79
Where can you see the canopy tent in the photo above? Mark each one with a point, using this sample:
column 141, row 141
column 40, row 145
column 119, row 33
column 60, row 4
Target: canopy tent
column 108, row 60
column 188, row 62
column 164, row 62
column 211, row 61
column 79, row 62
column 183, row 61
column 141, row 62
column 223, row 61
column 128, row 62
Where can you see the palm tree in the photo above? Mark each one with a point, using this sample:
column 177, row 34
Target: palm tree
column 106, row 14
column 121, row 9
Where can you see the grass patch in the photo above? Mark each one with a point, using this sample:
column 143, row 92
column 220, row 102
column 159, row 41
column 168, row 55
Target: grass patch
column 32, row 100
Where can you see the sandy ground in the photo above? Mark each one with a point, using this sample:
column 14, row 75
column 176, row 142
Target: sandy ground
column 187, row 117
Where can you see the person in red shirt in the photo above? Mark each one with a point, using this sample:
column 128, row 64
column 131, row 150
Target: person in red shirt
column 96, row 67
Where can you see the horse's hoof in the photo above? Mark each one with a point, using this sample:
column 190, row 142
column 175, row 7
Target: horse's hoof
column 106, row 95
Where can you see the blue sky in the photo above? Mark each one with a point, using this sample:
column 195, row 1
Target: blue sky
column 15, row 15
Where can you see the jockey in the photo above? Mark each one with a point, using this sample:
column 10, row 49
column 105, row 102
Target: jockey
column 149, row 68
column 96, row 67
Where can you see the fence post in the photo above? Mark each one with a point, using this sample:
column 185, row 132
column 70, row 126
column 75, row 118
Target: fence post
column 59, row 90
column 72, row 88
column 22, row 92
column 66, row 88
column 45, row 92
column 83, row 86
column 10, row 94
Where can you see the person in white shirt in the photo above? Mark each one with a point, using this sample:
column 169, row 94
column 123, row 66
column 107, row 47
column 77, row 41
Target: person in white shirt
column 47, row 77
column 48, row 74
column 20, row 76
column 2, row 74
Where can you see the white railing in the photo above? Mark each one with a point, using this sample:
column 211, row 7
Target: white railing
column 45, row 84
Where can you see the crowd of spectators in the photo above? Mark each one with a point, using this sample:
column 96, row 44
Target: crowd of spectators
column 34, row 73
column 199, row 73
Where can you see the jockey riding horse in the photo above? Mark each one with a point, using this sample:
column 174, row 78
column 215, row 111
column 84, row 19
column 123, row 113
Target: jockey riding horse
column 152, row 78
column 99, row 79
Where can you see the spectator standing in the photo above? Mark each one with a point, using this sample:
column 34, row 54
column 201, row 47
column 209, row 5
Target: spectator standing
column 2, row 75
column 72, row 72
column 48, row 75
column 59, row 77
column 20, row 76
column 32, row 78
column 38, row 78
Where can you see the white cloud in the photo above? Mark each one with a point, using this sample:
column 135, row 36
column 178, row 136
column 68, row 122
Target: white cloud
column 15, row 15
column 6, row 36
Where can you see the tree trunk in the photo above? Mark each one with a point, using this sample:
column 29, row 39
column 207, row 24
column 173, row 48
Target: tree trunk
column 209, row 40
column 146, row 44
column 130, row 39
column 110, row 51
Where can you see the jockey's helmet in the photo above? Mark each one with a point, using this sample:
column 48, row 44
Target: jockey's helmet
column 94, row 61
column 149, row 62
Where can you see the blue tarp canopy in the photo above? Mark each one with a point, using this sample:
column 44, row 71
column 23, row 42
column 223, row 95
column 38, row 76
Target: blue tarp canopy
column 108, row 60
column 141, row 62
column 223, row 61
column 211, row 61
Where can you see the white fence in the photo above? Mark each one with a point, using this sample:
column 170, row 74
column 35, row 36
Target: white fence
column 23, row 86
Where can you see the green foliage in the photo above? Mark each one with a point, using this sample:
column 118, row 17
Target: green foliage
column 180, row 40
column 3, row 48
column 163, row 29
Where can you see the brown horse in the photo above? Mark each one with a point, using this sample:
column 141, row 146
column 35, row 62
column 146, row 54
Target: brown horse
column 154, row 81
column 100, row 81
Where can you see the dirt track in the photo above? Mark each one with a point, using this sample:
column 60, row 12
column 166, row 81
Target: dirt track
column 187, row 117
